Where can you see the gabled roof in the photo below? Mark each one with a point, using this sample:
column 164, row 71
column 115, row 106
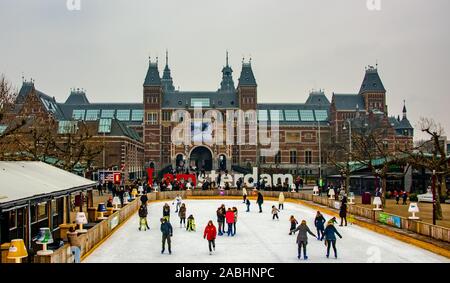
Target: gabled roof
column 372, row 81
column 49, row 103
column 247, row 77
column 317, row 98
column 348, row 101
column 152, row 78
column 77, row 97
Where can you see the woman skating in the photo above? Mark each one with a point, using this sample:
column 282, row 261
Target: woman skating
column 260, row 201
column 294, row 223
column 319, row 222
column 229, row 216
column 210, row 234
column 182, row 215
column 302, row 238
column 244, row 194
column 281, row 201
column 143, row 217
column 221, row 219
column 330, row 238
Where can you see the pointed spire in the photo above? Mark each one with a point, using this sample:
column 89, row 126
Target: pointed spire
column 167, row 58
column 404, row 109
column 227, row 59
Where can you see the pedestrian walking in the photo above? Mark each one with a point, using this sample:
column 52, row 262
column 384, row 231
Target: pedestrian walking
column 182, row 215
column 294, row 223
column 210, row 234
column 405, row 197
column 260, row 201
column 275, row 212
column 397, row 196
column 281, row 201
column 330, row 238
column 319, row 222
column 343, row 213
column 229, row 216
column 167, row 233
column 302, row 238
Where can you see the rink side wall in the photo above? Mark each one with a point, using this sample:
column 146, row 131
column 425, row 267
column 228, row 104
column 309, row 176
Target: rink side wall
column 104, row 229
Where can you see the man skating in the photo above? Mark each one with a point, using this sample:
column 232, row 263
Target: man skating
column 167, row 233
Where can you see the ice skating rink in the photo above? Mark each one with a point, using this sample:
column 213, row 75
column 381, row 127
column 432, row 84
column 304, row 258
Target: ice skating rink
column 259, row 239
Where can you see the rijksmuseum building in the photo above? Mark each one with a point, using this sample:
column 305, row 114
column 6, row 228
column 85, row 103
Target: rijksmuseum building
column 144, row 128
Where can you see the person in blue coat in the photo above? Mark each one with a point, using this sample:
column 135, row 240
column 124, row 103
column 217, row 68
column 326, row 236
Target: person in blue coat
column 260, row 201
column 319, row 222
column 330, row 238
column 167, row 233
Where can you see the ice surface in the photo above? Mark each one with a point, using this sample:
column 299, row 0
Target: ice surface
column 258, row 239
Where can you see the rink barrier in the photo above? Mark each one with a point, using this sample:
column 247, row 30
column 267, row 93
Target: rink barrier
column 103, row 230
column 95, row 235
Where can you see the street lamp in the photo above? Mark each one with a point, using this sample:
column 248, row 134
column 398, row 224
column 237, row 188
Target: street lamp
column 433, row 191
column 349, row 136
column 320, row 156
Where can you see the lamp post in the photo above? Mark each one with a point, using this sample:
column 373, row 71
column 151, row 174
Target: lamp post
column 433, row 191
column 349, row 137
column 320, row 156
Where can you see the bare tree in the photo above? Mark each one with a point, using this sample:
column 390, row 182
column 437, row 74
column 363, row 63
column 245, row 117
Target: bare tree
column 430, row 155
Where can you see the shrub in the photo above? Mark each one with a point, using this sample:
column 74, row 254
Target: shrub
column 413, row 197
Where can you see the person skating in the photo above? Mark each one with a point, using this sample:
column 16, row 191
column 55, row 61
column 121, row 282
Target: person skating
column 244, row 194
column 144, row 199
column 177, row 201
column 281, row 201
column 247, row 202
column 167, row 233
column 229, row 216
column 294, row 223
column 166, row 212
column 260, row 201
column 397, row 196
column 275, row 212
column 190, row 224
column 143, row 217
column 235, row 211
column 182, row 215
column 221, row 219
column 319, row 222
column 343, row 213
column 302, row 238
column 210, row 234
column 330, row 238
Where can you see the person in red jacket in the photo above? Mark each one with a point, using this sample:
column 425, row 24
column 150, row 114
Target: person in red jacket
column 229, row 216
column 210, row 234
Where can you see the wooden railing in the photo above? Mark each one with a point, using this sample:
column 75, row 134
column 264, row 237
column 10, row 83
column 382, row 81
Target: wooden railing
column 104, row 228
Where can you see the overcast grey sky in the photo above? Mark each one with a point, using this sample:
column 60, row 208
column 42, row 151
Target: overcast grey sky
column 295, row 45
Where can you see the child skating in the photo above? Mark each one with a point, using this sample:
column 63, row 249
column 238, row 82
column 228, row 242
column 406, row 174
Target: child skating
column 275, row 212
column 294, row 223
column 190, row 224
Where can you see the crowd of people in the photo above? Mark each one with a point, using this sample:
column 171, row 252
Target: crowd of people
column 226, row 219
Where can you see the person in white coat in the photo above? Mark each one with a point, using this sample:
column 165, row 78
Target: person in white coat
column 177, row 201
column 281, row 201
column 244, row 194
